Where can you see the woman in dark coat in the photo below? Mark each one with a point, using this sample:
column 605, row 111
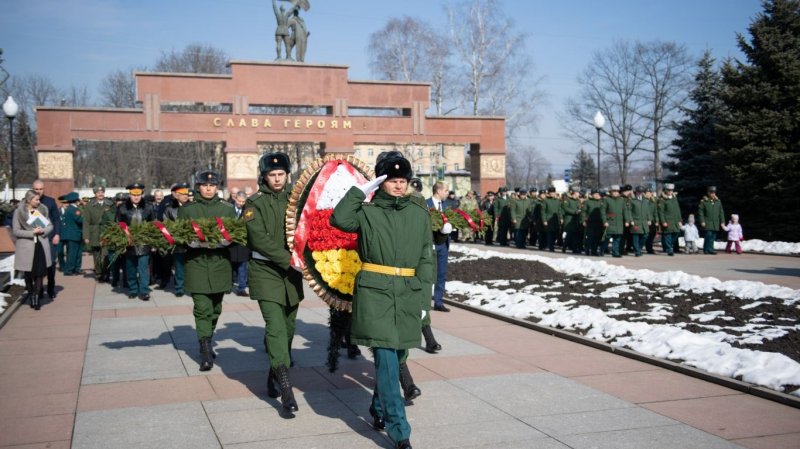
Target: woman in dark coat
column 32, row 227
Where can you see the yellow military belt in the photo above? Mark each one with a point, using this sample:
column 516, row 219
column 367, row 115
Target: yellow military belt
column 385, row 269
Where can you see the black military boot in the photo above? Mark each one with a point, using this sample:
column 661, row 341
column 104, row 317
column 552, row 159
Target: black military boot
column 431, row 345
column 378, row 423
column 287, row 396
column 410, row 391
column 272, row 389
column 404, row 444
column 206, row 360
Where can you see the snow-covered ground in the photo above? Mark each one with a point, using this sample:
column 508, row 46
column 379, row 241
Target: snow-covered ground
column 755, row 246
column 708, row 350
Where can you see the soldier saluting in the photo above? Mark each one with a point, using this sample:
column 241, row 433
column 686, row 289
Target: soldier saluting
column 208, row 270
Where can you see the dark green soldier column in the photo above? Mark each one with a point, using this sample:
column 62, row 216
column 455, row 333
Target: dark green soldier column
column 273, row 283
column 208, row 270
column 551, row 218
column 72, row 234
column 502, row 215
column 640, row 219
column 521, row 217
column 93, row 214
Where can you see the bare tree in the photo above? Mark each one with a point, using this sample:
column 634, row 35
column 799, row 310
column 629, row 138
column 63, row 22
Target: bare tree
column 612, row 83
column 525, row 166
column 118, row 89
column 409, row 49
column 75, row 96
column 195, row 58
column 665, row 77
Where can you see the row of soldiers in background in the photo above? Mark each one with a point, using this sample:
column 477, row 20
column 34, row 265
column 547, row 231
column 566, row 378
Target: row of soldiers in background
column 83, row 222
column 625, row 218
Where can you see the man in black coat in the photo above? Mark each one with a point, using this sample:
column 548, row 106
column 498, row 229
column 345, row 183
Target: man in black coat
column 55, row 217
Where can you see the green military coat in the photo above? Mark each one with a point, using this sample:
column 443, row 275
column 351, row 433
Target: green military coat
column 72, row 224
column 394, row 232
column 208, row 270
column 640, row 215
column 271, row 279
column 669, row 212
column 93, row 219
column 501, row 211
column 571, row 211
column 710, row 214
column 520, row 212
column 617, row 214
column 551, row 213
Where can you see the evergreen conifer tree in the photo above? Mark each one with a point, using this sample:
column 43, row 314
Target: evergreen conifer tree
column 760, row 138
column 692, row 167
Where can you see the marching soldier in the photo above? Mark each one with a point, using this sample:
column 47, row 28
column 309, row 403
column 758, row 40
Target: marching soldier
column 137, row 257
column 71, row 234
column 617, row 218
column 208, row 270
column 571, row 211
column 93, row 214
column 273, row 283
column 395, row 245
column 669, row 216
column 712, row 217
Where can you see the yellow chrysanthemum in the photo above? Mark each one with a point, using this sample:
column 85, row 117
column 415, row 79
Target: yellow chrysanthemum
column 338, row 268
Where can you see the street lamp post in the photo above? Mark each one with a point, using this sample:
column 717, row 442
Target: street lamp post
column 599, row 122
column 10, row 109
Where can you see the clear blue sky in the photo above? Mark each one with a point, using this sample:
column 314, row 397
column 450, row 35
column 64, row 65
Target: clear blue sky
column 78, row 42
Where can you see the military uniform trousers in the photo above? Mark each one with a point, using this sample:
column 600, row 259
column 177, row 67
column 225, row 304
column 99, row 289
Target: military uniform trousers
column 137, row 269
column 669, row 241
column 279, row 326
column 72, row 262
column 387, row 399
column 617, row 244
column 180, row 270
column 100, row 257
column 61, row 255
column 207, row 309
column 708, row 242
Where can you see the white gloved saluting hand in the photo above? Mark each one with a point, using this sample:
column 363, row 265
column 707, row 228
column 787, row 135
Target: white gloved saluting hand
column 447, row 228
column 372, row 185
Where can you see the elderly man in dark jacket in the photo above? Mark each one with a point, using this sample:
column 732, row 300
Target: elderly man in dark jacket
column 137, row 258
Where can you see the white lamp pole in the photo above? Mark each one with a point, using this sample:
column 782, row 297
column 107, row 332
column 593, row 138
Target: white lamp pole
column 599, row 122
column 10, row 109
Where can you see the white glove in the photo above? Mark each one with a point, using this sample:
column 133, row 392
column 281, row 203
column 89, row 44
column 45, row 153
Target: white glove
column 194, row 244
column 446, row 228
column 424, row 312
column 224, row 243
column 372, row 185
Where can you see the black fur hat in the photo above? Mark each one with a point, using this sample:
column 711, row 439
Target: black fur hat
column 274, row 161
column 392, row 164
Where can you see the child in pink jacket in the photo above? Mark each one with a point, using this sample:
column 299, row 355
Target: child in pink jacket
column 735, row 234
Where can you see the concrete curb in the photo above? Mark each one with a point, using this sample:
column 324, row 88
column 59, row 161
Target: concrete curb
column 734, row 384
column 6, row 316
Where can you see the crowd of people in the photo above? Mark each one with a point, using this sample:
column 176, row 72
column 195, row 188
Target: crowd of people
column 622, row 220
column 404, row 262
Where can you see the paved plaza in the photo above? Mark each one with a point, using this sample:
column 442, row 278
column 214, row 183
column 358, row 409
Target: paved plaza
column 95, row 369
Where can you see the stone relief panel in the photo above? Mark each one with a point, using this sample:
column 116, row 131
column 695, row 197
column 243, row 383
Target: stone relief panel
column 54, row 165
column 242, row 166
column 493, row 167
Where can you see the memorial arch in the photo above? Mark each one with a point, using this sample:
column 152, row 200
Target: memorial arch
column 262, row 104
